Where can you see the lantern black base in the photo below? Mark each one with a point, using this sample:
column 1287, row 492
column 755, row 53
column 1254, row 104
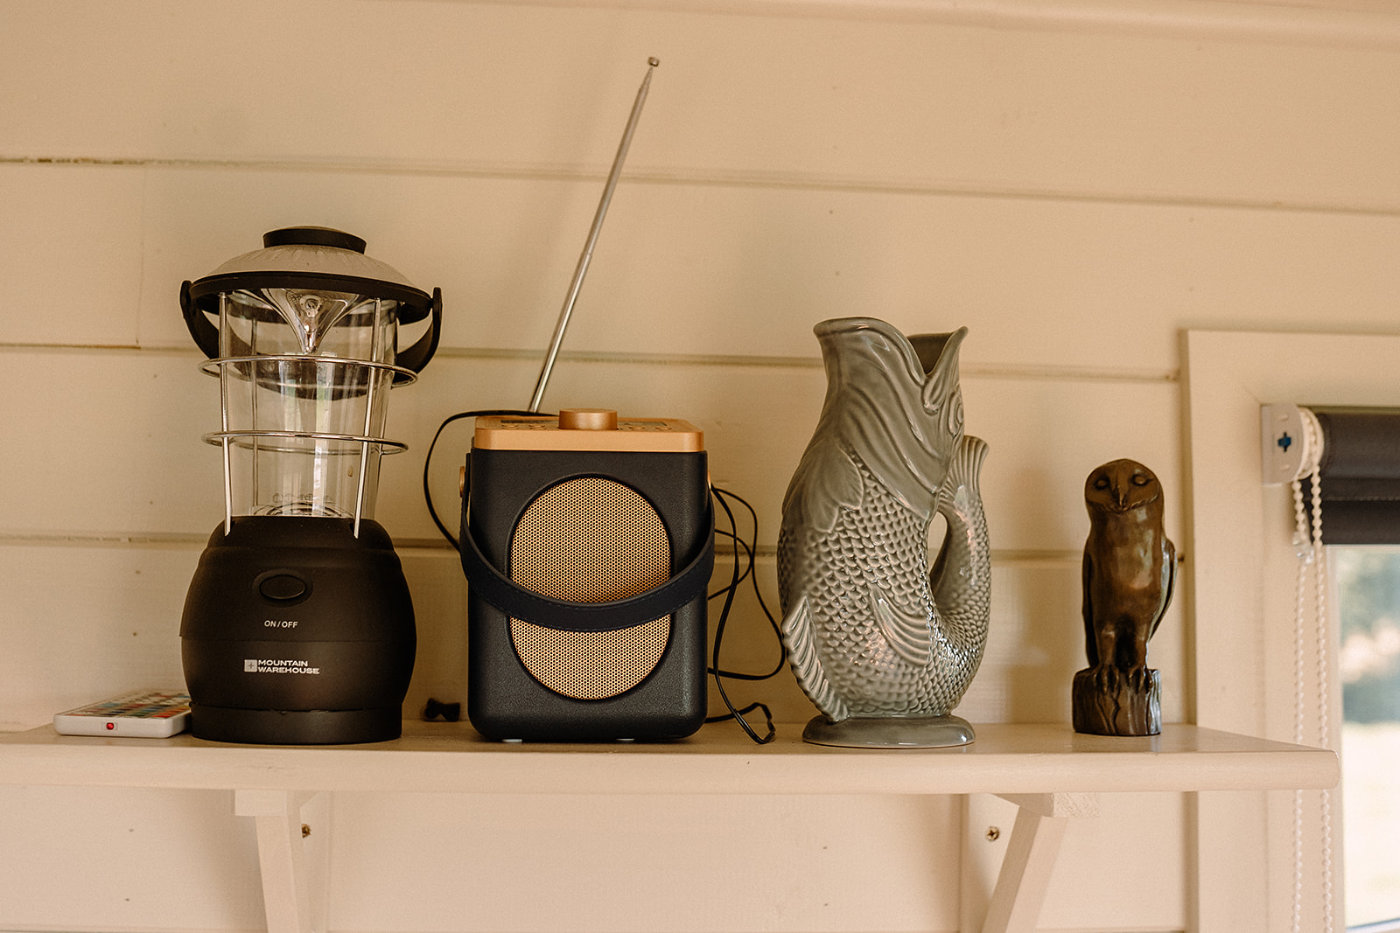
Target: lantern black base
column 297, row 631
column 295, row 727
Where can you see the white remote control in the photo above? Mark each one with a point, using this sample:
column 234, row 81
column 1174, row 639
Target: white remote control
column 145, row 713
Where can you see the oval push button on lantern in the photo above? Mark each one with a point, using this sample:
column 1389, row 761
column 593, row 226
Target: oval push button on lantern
column 282, row 587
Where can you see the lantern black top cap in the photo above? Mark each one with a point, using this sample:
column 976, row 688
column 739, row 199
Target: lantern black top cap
column 316, row 259
column 313, row 258
column 313, row 236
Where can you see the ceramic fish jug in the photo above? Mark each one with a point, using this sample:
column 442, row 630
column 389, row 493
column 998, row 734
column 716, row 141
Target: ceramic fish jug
column 883, row 641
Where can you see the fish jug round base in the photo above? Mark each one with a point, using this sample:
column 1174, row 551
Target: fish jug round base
column 890, row 732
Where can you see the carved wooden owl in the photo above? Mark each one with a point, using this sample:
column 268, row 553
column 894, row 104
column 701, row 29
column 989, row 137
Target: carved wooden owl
column 1129, row 571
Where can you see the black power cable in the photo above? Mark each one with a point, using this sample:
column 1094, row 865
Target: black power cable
column 428, row 459
column 737, row 576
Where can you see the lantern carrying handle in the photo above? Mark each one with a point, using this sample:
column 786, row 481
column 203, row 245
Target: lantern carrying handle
column 418, row 355
column 206, row 335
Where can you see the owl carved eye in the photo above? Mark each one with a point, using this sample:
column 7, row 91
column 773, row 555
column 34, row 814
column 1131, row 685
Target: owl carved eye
column 1101, row 483
column 1141, row 479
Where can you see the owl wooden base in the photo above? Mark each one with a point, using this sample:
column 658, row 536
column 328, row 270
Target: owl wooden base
column 889, row 732
column 1125, row 710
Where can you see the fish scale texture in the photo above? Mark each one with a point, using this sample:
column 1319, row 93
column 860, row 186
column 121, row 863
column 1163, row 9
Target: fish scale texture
column 881, row 548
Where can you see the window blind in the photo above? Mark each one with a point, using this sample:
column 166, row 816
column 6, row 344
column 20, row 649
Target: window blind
column 1360, row 474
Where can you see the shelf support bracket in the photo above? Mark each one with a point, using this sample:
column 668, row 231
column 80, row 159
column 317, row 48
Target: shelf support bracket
column 1029, row 860
column 293, row 830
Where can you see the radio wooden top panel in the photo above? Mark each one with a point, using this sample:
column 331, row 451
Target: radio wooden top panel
column 597, row 429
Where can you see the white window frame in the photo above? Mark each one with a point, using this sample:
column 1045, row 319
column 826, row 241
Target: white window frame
column 1243, row 596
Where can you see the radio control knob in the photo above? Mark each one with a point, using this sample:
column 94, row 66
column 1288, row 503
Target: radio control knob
column 587, row 419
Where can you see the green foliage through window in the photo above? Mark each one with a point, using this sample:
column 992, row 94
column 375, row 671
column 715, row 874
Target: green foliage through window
column 1368, row 583
column 1368, row 606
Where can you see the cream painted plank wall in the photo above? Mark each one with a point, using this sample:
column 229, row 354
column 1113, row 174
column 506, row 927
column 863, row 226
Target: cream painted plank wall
column 708, row 270
column 857, row 97
column 147, row 413
column 1075, row 180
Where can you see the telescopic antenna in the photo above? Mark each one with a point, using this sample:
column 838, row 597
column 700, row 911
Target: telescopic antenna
column 593, row 232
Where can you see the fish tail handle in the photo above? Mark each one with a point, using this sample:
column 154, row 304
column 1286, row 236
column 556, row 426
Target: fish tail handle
column 966, row 545
column 964, row 471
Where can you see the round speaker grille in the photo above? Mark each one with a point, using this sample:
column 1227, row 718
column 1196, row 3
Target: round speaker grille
column 590, row 540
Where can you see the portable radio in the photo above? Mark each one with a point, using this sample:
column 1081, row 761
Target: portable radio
column 587, row 543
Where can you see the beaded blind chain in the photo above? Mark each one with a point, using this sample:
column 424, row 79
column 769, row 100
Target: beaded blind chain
column 1312, row 568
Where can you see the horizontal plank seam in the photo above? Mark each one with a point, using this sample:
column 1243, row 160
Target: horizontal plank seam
column 1299, row 23
column 1008, row 371
column 767, row 180
column 420, row 547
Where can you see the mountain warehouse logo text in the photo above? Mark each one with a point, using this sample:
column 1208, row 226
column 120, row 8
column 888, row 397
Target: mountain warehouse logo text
column 277, row 666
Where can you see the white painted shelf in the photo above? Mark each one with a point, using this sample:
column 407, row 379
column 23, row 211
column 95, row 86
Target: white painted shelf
column 1052, row 773
column 720, row 759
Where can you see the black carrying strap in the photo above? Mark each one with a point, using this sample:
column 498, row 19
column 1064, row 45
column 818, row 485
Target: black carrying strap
column 519, row 603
